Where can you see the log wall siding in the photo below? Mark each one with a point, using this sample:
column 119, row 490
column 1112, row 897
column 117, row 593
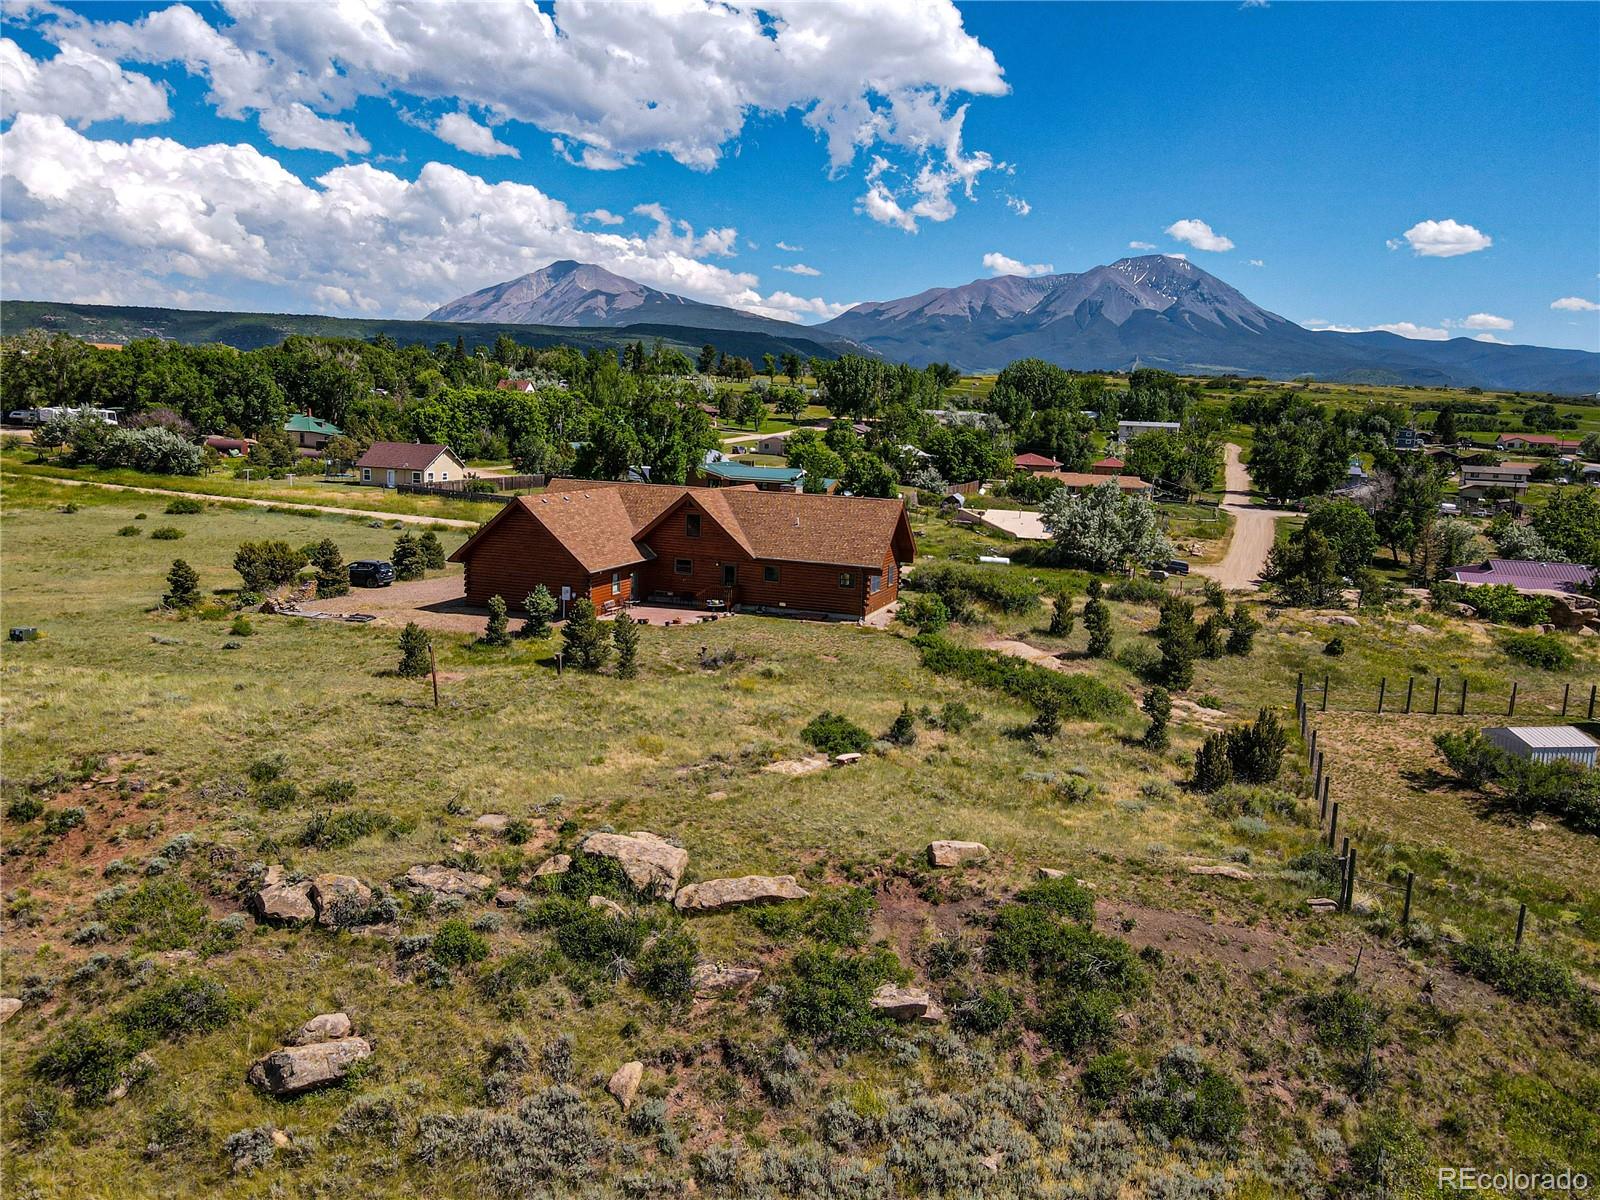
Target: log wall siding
column 707, row 554
column 516, row 556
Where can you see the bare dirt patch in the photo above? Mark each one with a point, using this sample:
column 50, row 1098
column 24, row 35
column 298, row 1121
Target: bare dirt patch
column 432, row 603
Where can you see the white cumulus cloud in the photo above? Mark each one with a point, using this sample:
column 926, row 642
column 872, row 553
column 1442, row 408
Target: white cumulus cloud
column 999, row 264
column 1018, row 205
column 602, row 216
column 77, row 85
column 1199, row 235
column 1442, row 239
column 788, row 248
column 1484, row 321
column 1141, row 245
column 1574, row 304
column 462, row 132
column 798, row 269
column 1405, row 329
column 148, row 220
column 1256, row 262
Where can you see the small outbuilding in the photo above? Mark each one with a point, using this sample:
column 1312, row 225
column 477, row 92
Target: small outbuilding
column 1546, row 743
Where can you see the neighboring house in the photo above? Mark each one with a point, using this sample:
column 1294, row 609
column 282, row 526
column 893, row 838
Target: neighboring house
column 1588, row 473
column 958, row 416
column 1107, row 466
column 1545, row 442
column 1082, row 481
column 1545, row 743
column 516, row 385
column 1034, row 463
column 722, row 473
column 1127, row 430
column 311, row 433
column 388, row 464
column 774, row 443
column 1409, row 439
column 1476, row 480
column 741, row 547
column 228, row 447
column 1526, row 576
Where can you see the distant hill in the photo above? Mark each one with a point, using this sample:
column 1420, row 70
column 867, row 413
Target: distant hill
column 1158, row 311
column 584, row 296
column 248, row 331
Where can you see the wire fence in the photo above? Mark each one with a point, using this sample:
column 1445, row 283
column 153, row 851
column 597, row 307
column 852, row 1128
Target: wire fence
column 1433, row 696
column 1401, row 886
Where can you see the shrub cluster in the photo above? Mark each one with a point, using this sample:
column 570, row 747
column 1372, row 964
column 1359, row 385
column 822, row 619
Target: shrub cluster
column 1562, row 788
column 961, row 585
column 833, row 733
column 1249, row 753
column 1499, row 603
column 1546, row 651
column 1074, row 696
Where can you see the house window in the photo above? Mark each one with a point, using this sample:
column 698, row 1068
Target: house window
column 616, row 583
column 691, row 524
column 683, row 566
column 445, row 476
column 846, row 579
column 730, row 574
column 366, row 474
column 430, row 476
column 769, row 573
column 874, row 582
column 889, row 574
column 416, row 477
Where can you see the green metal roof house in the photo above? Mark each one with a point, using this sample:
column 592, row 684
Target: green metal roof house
column 311, row 432
column 722, row 473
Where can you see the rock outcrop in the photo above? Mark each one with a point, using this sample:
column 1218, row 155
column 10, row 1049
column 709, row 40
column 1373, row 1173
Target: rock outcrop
column 716, row 895
column 296, row 1069
column 953, row 854
column 906, row 1004
column 281, row 899
column 710, row 978
column 556, row 864
column 340, row 900
column 652, row 864
column 325, row 1027
column 10, row 1006
column 624, row 1083
column 446, row 881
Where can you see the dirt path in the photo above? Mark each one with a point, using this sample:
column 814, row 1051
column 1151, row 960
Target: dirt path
column 1254, row 529
column 409, row 518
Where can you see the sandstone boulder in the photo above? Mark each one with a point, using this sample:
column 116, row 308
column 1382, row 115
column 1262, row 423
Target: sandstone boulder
column 340, row 900
column 1226, row 870
column 556, row 864
column 607, row 905
column 492, row 823
column 953, row 854
column 326, row 1027
column 507, row 898
column 1342, row 619
column 710, row 978
column 446, row 881
column 1051, row 873
column 716, row 895
column 10, row 1006
column 295, row 1069
column 624, row 1083
column 279, row 899
column 651, row 863
column 906, row 1004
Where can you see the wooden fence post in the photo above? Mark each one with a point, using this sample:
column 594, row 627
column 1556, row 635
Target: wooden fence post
column 1405, row 913
column 1522, row 920
column 1591, row 700
column 1322, row 816
column 1316, row 775
column 1349, row 877
column 433, row 669
column 1410, row 682
column 1333, row 825
column 1511, row 705
column 1436, row 682
column 1383, row 686
column 1312, row 748
column 1463, row 710
column 1565, row 692
column 1325, row 697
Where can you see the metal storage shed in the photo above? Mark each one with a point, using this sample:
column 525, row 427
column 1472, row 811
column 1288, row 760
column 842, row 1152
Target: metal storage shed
column 1546, row 743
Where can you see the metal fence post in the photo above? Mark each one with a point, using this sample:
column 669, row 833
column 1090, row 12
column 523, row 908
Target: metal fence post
column 1325, row 697
column 1405, row 913
column 1592, row 688
column 1565, row 692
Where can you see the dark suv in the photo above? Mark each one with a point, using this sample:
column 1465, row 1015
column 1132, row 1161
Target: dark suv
column 367, row 572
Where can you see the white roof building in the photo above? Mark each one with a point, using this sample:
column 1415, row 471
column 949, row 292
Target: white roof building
column 1545, row 743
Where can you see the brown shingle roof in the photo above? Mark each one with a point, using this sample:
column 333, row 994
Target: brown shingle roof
column 402, row 456
column 1079, row 479
column 602, row 524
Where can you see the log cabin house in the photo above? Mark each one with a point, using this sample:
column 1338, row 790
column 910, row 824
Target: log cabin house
column 738, row 548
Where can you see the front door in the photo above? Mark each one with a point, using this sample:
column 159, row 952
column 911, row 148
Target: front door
column 391, row 480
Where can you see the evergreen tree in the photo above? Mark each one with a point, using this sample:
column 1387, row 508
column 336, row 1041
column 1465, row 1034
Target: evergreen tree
column 1158, row 707
column 625, row 634
column 1097, row 620
column 1242, row 629
column 1175, row 635
column 1212, row 769
column 407, row 558
column 414, row 661
column 183, row 586
column 1047, row 721
column 1211, row 635
column 333, row 577
column 1444, row 426
column 540, row 606
column 582, row 638
column 432, row 550
column 1061, row 618
column 707, row 360
column 1255, row 751
column 496, row 634
column 903, row 730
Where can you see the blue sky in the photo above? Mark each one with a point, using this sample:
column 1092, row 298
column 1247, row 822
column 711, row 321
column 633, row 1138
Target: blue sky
column 1434, row 169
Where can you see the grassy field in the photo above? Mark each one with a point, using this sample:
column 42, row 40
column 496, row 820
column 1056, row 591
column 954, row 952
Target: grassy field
column 150, row 723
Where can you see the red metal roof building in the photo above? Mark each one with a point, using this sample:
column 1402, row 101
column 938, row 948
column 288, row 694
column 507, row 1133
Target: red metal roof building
column 741, row 547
